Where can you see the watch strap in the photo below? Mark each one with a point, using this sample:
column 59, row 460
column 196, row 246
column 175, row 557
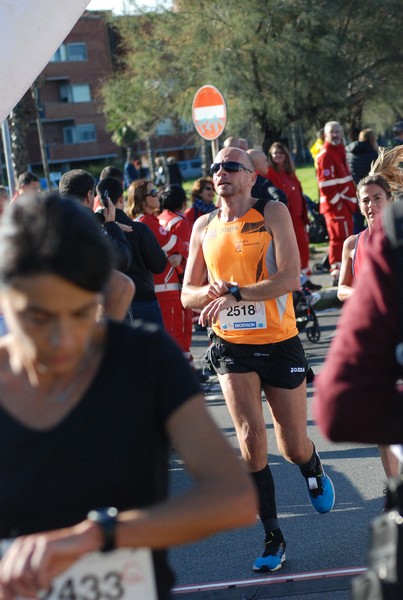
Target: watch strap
column 106, row 519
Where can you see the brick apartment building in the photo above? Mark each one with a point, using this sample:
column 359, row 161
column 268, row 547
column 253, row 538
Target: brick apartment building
column 68, row 94
column 70, row 109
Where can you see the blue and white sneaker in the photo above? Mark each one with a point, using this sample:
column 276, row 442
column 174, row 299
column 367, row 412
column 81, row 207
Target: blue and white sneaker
column 321, row 491
column 273, row 555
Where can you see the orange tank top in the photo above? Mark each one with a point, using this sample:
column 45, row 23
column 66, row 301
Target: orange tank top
column 242, row 251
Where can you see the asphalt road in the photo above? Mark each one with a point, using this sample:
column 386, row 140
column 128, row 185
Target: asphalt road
column 321, row 549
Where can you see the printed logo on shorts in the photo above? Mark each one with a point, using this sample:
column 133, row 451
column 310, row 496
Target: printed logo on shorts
column 326, row 172
column 297, row 370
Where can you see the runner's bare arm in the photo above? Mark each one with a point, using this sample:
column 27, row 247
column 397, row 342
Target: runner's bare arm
column 346, row 278
column 119, row 293
column 222, row 497
column 194, row 293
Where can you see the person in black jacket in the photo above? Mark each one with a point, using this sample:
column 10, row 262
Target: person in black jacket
column 263, row 187
column 80, row 184
column 360, row 155
column 148, row 257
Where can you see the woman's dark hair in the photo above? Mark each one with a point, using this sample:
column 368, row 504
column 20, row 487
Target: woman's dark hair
column 377, row 180
column 173, row 197
column 199, row 186
column 48, row 233
column 288, row 163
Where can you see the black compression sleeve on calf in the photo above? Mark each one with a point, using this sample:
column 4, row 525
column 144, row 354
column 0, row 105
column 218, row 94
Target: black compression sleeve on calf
column 267, row 498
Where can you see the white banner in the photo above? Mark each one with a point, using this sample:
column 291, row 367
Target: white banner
column 31, row 32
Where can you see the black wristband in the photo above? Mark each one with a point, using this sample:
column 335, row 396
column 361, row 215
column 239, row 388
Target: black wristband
column 106, row 518
column 236, row 292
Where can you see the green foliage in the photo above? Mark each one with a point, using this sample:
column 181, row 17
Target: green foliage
column 277, row 62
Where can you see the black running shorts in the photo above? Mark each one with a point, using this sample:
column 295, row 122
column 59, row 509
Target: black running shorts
column 281, row 365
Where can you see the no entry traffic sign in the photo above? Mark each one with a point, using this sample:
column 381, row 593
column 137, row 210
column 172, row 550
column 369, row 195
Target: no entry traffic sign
column 209, row 112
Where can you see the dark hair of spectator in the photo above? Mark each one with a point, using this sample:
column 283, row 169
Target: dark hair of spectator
column 199, row 186
column 111, row 185
column 76, row 182
column 26, row 178
column 368, row 135
column 173, row 197
column 112, row 171
column 50, row 234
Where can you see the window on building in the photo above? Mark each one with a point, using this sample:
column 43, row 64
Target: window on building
column 80, row 134
column 75, row 93
column 71, row 52
column 165, row 127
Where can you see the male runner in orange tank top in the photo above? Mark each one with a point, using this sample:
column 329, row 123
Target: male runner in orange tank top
column 249, row 250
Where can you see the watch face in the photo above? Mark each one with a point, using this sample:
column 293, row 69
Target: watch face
column 234, row 291
column 103, row 514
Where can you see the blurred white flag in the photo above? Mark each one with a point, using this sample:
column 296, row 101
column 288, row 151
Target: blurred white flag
column 31, row 32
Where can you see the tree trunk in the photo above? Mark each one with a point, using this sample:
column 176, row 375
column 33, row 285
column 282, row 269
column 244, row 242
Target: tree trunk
column 270, row 134
column 18, row 131
column 355, row 121
column 150, row 157
column 41, row 135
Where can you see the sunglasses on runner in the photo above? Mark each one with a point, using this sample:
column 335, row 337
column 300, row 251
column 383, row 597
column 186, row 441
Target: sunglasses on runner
column 153, row 193
column 230, row 166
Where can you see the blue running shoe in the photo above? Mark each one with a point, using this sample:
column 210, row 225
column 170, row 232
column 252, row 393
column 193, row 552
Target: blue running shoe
column 321, row 491
column 273, row 555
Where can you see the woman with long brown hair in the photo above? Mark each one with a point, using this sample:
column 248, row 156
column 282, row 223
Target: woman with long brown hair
column 282, row 173
column 143, row 205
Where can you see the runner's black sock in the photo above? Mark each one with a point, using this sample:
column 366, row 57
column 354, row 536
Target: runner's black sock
column 267, row 498
column 313, row 465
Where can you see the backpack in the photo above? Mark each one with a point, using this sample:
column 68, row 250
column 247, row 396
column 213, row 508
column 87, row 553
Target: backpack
column 384, row 578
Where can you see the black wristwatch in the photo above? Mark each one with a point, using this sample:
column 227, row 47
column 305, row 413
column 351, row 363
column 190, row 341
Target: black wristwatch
column 236, row 292
column 106, row 518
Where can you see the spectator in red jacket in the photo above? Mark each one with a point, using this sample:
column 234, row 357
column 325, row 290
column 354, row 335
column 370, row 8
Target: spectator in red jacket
column 143, row 204
column 172, row 218
column 281, row 173
column 338, row 200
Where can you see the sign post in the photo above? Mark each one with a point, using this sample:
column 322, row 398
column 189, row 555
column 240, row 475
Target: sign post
column 209, row 114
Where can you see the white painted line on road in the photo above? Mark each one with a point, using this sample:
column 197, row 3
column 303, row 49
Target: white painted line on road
column 270, row 580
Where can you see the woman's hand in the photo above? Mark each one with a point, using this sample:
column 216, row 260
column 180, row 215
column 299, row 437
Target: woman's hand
column 33, row 561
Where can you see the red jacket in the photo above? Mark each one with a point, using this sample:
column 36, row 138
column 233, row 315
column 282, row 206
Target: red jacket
column 177, row 223
column 292, row 188
column 169, row 279
column 336, row 184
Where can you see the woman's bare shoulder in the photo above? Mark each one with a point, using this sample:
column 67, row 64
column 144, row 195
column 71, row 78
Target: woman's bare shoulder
column 350, row 242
